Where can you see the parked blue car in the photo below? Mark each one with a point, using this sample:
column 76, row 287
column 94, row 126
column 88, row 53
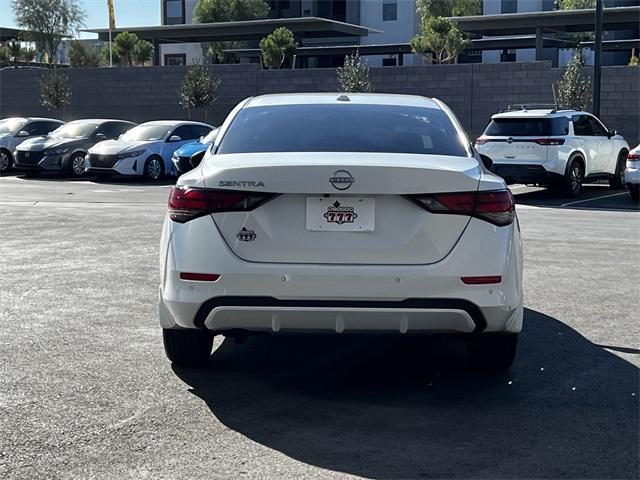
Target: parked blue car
column 190, row 155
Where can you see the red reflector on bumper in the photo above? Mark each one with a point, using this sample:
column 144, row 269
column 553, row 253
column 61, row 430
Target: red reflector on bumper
column 199, row 277
column 481, row 280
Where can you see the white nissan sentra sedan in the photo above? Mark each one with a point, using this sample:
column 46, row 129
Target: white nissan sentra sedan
column 341, row 213
column 144, row 150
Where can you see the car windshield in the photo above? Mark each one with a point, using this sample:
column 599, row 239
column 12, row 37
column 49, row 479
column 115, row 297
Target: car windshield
column 74, row 130
column 343, row 128
column 527, row 127
column 12, row 125
column 146, row 133
column 210, row 137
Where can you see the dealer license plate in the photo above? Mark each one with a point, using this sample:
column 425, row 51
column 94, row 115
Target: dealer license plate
column 341, row 214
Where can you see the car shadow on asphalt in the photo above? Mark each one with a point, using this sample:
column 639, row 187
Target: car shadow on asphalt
column 593, row 197
column 392, row 407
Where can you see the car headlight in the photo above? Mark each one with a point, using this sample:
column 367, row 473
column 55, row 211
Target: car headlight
column 57, row 151
column 137, row 153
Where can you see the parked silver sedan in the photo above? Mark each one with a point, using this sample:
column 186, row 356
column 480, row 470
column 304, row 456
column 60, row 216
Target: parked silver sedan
column 15, row 130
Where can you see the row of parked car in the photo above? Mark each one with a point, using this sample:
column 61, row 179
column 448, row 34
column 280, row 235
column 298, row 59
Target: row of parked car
column 530, row 144
column 103, row 146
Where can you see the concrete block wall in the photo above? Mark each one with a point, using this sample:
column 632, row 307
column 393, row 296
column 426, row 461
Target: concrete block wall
column 473, row 91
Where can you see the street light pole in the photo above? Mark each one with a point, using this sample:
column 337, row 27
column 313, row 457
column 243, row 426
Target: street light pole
column 597, row 59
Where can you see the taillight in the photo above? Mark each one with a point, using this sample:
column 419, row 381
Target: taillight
column 633, row 157
column 548, row 141
column 187, row 203
column 495, row 207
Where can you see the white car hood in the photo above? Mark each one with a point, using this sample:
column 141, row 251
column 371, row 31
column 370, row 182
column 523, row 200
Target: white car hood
column 113, row 147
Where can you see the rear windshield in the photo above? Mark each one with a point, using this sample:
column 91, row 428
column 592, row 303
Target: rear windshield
column 343, row 128
column 528, row 127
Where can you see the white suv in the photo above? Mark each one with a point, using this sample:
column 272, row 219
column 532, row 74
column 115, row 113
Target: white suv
column 341, row 213
column 551, row 147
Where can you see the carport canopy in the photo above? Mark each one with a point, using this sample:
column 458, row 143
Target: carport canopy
column 249, row 30
column 557, row 21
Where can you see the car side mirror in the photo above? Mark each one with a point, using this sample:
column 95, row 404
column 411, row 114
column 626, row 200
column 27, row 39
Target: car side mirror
column 175, row 138
column 486, row 161
column 101, row 136
column 611, row 132
column 23, row 133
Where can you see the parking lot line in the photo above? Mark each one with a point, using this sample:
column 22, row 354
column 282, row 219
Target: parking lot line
column 592, row 199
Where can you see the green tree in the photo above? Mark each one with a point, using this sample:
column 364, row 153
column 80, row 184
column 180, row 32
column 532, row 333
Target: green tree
column 106, row 55
column 574, row 90
column 28, row 54
column 353, row 77
column 199, row 89
column 82, row 56
column 5, row 56
column 448, row 8
column 54, row 91
column 440, row 37
column 277, row 47
column 125, row 44
column 211, row 11
column 143, row 51
column 15, row 51
column 575, row 4
column 49, row 21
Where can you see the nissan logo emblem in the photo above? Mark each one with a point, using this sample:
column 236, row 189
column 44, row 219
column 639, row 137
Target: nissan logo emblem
column 341, row 180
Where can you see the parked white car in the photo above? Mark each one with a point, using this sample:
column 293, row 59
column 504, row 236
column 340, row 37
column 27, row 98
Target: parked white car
column 145, row 149
column 550, row 147
column 15, row 130
column 341, row 213
column 632, row 173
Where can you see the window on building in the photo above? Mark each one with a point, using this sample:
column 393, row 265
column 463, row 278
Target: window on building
column 175, row 59
column 388, row 62
column 174, row 12
column 389, row 10
column 509, row 6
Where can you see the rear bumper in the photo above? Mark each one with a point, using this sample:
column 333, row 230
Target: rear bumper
column 632, row 176
column 530, row 174
column 341, row 298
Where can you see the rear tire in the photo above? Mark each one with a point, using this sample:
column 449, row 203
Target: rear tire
column 187, row 348
column 634, row 191
column 572, row 182
column 493, row 352
column 617, row 181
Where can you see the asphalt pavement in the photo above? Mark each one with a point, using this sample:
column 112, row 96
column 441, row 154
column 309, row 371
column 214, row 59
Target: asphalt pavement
column 86, row 391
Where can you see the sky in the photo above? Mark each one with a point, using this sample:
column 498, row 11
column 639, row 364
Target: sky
column 129, row 13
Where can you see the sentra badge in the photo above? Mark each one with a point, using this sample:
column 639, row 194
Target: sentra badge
column 240, row 183
column 340, row 214
column 341, row 180
column 246, row 235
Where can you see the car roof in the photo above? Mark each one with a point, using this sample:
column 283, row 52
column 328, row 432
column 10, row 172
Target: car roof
column 537, row 113
column 339, row 97
column 175, row 123
column 100, row 120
